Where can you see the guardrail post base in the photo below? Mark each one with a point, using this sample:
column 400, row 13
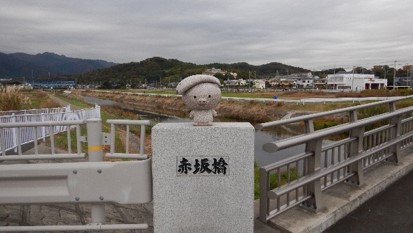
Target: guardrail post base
column 315, row 203
column 358, row 178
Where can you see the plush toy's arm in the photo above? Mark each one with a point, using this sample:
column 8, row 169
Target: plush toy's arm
column 214, row 113
column 191, row 114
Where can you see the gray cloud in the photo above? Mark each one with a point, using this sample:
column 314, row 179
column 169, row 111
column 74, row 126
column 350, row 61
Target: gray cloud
column 312, row 34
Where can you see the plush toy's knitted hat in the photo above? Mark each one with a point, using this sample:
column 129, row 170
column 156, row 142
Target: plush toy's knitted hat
column 191, row 81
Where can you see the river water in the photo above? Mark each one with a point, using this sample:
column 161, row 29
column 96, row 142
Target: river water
column 261, row 137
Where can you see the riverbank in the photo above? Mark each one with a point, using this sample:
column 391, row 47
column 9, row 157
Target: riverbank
column 228, row 109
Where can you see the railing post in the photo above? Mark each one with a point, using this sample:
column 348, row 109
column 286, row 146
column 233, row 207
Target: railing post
column 95, row 154
column 97, row 110
column 309, row 126
column 392, row 106
column 14, row 120
column 43, row 135
column 315, row 203
column 394, row 133
column 356, row 147
column 353, row 116
column 264, row 187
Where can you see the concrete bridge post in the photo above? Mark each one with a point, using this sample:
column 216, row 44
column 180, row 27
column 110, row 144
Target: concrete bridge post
column 203, row 178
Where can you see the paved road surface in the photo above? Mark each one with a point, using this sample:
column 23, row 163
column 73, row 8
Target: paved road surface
column 391, row 211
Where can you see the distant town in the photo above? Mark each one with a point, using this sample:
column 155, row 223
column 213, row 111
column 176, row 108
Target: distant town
column 52, row 71
column 340, row 81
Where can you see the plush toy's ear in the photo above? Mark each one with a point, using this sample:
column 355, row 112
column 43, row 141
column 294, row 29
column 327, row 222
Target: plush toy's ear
column 194, row 80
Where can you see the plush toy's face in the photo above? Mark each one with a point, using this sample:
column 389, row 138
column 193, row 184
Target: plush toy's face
column 204, row 96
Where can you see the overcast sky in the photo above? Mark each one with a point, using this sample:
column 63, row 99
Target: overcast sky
column 313, row 34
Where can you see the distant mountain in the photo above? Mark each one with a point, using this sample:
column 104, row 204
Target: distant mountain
column 157, row 69
column 22, row 65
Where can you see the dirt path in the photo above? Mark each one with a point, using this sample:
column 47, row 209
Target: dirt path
column 62, row 102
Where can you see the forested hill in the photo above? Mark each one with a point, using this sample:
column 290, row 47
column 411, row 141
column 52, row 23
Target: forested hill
column 17, row 65
column 170, row 70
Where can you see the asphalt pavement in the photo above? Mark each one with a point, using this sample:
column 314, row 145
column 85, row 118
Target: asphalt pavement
column 391, row 211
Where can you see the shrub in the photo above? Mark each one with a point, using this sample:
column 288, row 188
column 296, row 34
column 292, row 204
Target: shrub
column 11, row 99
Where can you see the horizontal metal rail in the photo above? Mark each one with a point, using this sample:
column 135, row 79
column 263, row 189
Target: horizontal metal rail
column 128, row 122
column 286, row 161
column 320, row 173
column 281, row 144
column 35, row 111
column 37, row 124
column 88, row 227
column 76, row 182
column 326, row 113
column 42, row 157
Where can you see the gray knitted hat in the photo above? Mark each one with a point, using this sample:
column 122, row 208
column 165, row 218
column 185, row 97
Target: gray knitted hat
column 191, row 81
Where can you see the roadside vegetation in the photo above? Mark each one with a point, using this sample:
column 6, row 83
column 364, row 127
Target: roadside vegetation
column 13, row 98
column 275, row 181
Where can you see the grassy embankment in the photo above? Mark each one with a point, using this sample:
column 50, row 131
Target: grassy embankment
column 251, row 111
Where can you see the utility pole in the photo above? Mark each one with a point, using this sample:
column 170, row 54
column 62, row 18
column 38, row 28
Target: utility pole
column 394, row 75
column 352, row 80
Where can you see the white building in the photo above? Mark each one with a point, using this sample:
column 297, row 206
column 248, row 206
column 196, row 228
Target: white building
column 354, row 82
column 259, row 84
column 305, row 82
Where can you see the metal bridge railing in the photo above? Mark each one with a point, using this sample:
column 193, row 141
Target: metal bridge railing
column 112, row 136
column 20, row 133
column 13, row 135
column 300, row 179
column 92, row 181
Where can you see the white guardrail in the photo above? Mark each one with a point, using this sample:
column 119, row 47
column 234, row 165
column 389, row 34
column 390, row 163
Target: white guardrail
column 14, row 138
column 89, row 180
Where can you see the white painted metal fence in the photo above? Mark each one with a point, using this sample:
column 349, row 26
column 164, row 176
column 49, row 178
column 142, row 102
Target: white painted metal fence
column 14, row 138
